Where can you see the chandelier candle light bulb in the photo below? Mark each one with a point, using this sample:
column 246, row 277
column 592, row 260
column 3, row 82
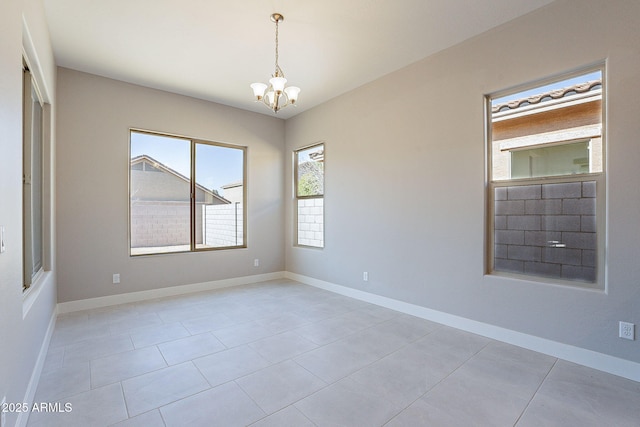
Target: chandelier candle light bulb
column 276, row 95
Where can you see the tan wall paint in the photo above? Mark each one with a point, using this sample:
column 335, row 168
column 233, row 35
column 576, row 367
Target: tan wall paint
column 95, row 115
column 417, row 136
column 22, row 334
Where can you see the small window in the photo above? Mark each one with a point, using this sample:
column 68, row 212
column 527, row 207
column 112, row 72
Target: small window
column 309, row 194
column 185, row 194
column 32, row 178
column 547, row 180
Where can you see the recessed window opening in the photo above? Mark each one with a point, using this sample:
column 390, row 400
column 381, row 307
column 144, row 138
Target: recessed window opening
column 309, row 194
column 185, row 194
column 32, row 180
column 547, row 180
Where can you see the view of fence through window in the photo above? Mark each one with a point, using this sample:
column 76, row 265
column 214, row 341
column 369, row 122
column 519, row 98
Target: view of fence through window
column 547, row 180
column 309, row 189
column 164, row 216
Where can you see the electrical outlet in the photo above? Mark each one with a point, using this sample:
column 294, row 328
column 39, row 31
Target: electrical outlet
column 365, row 276
column 627, row 331
column 116, row 278
column 256, row 262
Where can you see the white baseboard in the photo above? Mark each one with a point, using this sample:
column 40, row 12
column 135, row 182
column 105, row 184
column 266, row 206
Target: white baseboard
column 37, row 371
column 106, row 301
column 600, row 361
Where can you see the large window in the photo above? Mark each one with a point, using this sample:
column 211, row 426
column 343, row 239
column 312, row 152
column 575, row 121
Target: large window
column 32, row 178
column 185, row 194
column 547, row 181
column 309, row 194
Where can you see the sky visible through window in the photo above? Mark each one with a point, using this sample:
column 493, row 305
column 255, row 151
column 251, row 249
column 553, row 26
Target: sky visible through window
column 542, row 89
column 216, row 166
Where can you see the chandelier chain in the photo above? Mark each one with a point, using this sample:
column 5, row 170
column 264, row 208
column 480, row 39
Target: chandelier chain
column 278, row 71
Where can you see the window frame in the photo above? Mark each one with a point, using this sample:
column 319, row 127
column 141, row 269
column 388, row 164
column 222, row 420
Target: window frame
column 33, row 223
column 297, row 198
column 599, row 283
column 193, row 142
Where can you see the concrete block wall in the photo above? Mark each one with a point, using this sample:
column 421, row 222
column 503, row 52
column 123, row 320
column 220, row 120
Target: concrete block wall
column 157, row 224
column 223, row 225
column 547, row 230
column 311, row 222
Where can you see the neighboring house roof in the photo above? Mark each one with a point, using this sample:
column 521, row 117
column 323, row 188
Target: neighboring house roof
column 555, row 94
column 144, row 158
column 232, row 185
column 318, row 156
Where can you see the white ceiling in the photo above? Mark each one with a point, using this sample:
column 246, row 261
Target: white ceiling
column 213, row 49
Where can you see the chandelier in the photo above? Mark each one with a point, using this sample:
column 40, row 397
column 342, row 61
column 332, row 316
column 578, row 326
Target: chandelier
column 275, row 95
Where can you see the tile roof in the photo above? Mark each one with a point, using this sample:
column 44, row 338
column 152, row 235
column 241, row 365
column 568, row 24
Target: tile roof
column 548, row 96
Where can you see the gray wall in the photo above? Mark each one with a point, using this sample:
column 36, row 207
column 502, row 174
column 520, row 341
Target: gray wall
column 417, row 137
column 94, row 117
column 22, row 331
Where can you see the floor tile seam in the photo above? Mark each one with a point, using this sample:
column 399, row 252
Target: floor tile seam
column 161, row 416
column 163, row 358
column 102, row 356
column 159, row 408
column 287, row 357
column 443, row 378
column 351, row 333
column 132, row 377
column 534, row 394
column 317, row 346
column 292, row 405
column 378, row 359
column 67, row 397
column 234, row 379
column 173, row 401
column 55, row 346
column 60, row 397
column 189, row 336
column 192, row 359
column 124, row 400
column 249, row 396
column 326, row 385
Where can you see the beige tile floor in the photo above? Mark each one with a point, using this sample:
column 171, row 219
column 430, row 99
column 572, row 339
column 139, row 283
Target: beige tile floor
column 284, row 354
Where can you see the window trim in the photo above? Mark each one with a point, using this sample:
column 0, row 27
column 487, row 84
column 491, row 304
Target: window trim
column 192, row 188
column 600, row 282
column 29, row 87
column 297, row 198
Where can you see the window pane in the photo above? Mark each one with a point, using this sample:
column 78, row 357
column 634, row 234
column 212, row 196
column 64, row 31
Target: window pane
column 310, row 171
column 32, row 182
column 36, row 182
column 160, row 194
column 220, row 187
column 551, row 130
column 546, row 230
column 310, row 221
column 565, row 159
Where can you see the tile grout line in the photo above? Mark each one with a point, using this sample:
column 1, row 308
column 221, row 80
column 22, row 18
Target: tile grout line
column 536, row 392
column 440, row 381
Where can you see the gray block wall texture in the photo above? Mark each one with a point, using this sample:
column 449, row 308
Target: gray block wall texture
column 311, row 222
column 546, row 230
column 223, row 225
column 159, row 224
